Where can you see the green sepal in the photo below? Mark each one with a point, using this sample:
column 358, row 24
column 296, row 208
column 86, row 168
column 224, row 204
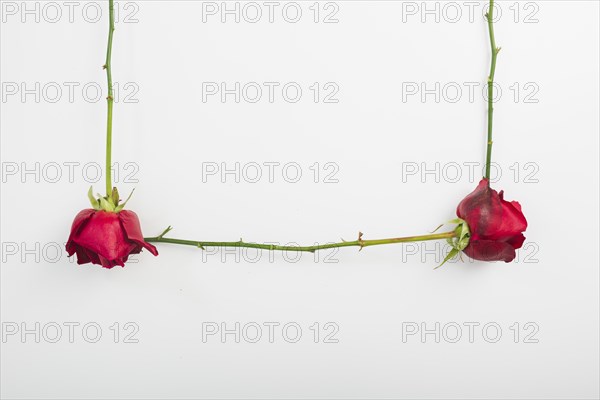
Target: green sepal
column 122, row 206
column 95, row 203
column 450, row 256
column 464, row 234
column 460, row 241
column 115, row 196
column 106, row 204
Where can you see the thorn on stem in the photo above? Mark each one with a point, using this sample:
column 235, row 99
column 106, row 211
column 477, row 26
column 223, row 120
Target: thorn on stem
column 360, row 241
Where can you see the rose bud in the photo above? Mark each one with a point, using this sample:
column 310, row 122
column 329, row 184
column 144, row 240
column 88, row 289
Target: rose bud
column 106, row 235
column 495, row 225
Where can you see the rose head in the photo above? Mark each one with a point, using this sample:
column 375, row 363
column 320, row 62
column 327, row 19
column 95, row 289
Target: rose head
column 496, row 225
column 106, row 238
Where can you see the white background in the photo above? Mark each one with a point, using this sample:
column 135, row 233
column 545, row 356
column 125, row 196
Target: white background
column 372, row 135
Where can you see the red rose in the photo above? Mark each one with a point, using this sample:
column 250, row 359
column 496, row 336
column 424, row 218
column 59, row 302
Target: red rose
column 496, row 225
column 106, row 238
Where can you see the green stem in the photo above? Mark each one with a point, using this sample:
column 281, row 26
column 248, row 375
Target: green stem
column 357, row 243
column 490, row 18
column 109, row 99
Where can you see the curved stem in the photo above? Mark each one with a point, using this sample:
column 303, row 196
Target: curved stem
column 109, row 99
column 357, row 243
column 490, row 18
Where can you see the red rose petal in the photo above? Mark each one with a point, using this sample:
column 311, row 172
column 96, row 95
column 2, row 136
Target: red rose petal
column 516, row 241
column 133, row 230
column 489, row 250
column 80, row 219
column 104, row 236
column 496, row 225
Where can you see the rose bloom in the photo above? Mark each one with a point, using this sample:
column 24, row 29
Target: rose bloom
column 496, row 225
column 106, row 238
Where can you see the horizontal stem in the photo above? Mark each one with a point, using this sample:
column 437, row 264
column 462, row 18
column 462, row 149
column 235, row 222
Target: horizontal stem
column 357, row 243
